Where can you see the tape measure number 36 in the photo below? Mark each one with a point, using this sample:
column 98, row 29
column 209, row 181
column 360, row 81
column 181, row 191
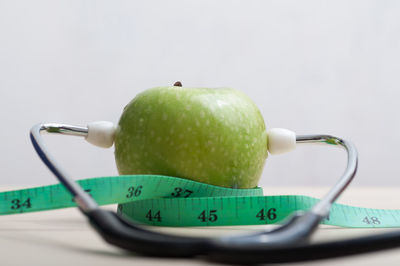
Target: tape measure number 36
column 170, row 201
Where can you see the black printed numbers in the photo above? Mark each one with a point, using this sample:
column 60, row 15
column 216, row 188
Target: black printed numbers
column 134, row 192
column 17, row 204
column 180, row 192
column 371, row 220
column 328, row 217
column 269, row 214
column 88, row 191
column 153, row 217
column 211, row 216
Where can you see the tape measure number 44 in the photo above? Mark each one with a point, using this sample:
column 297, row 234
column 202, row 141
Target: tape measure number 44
column 170, row 201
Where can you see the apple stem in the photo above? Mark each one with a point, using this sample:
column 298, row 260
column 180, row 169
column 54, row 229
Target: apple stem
column 178, row 84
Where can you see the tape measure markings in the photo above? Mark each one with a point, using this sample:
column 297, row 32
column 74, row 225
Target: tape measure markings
column 170, row 201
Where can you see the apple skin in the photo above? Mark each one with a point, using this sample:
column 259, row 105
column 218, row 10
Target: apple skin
column 214, row 136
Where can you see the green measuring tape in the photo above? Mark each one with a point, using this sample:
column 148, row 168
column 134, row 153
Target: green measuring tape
column 172, row 201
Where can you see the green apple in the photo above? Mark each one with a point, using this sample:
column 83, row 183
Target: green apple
column 214, row 136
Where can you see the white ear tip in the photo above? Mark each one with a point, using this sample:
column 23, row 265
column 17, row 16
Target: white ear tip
column 101, row 133
column 281, row 140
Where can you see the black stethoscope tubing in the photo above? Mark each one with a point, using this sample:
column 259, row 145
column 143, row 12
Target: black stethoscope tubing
column 287, row 243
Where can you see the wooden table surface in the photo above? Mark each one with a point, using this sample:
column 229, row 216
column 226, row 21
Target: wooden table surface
column 63, row 237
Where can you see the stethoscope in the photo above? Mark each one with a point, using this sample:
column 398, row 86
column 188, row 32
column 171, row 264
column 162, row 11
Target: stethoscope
column 287, row 243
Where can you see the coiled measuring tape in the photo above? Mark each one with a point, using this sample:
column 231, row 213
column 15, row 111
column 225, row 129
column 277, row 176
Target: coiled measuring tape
column 171, row 201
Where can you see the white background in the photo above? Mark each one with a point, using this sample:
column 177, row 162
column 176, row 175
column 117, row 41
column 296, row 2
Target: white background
column 311, row 66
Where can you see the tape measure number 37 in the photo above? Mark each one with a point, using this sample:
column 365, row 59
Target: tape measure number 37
column 170, row 201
